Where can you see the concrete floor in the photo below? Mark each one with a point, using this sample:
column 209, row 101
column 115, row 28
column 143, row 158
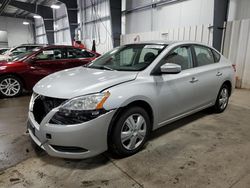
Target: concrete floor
column 203, row 150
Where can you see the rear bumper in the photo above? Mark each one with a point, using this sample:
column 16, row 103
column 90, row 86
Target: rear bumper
column 71, row 141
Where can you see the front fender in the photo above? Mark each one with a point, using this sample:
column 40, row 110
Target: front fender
column 127, row 93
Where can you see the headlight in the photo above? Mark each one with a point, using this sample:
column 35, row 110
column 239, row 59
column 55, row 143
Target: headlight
column 88, row 102
column 81, row 109
column 32, row 99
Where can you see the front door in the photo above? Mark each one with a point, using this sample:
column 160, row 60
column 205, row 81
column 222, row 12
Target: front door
column 78, row 57
column 45, row 63
column 176, row 91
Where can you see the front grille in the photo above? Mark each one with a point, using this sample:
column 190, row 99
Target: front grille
column 43, row 105
column 70, row 149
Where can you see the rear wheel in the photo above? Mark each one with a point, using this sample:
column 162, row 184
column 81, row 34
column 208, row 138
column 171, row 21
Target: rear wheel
column 130, row 132
column 10, row 86
column 222, row 99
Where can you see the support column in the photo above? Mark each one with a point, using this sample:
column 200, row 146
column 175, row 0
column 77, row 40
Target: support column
column 116, row 20
column 220, row 16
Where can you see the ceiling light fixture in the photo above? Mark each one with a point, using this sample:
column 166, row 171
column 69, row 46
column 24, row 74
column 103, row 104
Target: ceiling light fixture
column 26, row 23
column 55, row 6
column 37, row 16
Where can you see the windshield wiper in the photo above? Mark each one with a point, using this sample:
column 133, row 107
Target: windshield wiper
column 107, row 68
column 102, row 67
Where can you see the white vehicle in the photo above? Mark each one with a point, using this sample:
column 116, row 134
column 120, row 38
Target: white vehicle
column 117, row 100
column 2, row 50
column 13, row 52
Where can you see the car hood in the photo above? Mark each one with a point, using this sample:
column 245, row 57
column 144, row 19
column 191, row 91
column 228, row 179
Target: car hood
column 80, row 81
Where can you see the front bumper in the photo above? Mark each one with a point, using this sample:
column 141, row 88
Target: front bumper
column 90, row 137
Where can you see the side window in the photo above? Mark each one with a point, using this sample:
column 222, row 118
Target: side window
column 148, row 55
column 181, row 56
column 51, row 54
column 204, row 56
column 73, row 53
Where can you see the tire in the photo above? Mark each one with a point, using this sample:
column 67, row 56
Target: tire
column 222, row 99
column 134, row 136
column 10, row 86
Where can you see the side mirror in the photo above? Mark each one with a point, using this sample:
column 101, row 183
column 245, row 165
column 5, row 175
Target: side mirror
column 170, row 68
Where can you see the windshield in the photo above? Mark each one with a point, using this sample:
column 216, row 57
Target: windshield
column 3, row 50
column 134, row 57
column 6, row 52
column 20, row 57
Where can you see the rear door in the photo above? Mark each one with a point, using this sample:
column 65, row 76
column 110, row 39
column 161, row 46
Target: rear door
column 78, row 57
column 206, row 74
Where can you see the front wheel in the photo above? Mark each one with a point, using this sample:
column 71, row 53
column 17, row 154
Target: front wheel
column 10, row 86
column 130, row 131
column 222, row 99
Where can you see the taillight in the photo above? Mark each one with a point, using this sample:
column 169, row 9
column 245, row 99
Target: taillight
column 234, row 67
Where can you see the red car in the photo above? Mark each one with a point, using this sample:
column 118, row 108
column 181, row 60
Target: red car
column 24, row 71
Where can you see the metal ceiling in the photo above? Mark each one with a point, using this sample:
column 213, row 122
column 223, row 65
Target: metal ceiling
column 7, row 10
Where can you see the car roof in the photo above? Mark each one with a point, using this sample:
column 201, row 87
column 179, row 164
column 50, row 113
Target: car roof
column 65, row 46
column 169, row 42
column 32, row 45
column 57, row 46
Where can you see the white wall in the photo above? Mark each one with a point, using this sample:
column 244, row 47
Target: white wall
column 3, row 39
column 237, row 50
column 41, row 37
column 17, row 32
column 61, row 26
column 199, row 33
column 239, row 9
column 100, row 30
column 174, row 15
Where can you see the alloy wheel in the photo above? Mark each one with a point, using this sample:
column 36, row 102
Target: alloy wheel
column 133, row 131
column 10, row 87
column 223, row 99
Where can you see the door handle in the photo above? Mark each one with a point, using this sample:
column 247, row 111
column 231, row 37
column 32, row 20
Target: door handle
column 194, row 80
column 219, row 74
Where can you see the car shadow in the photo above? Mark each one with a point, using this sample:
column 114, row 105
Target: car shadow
column 24, row 94
column 107, row 157
column 179, row 123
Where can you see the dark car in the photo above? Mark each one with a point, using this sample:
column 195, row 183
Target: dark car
column 25, row 70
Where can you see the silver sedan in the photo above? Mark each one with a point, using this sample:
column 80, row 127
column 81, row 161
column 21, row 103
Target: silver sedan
column 117, row 100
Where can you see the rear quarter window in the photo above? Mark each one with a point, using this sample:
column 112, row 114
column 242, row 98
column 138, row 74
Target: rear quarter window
column 217, row 56
column 204, row 55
